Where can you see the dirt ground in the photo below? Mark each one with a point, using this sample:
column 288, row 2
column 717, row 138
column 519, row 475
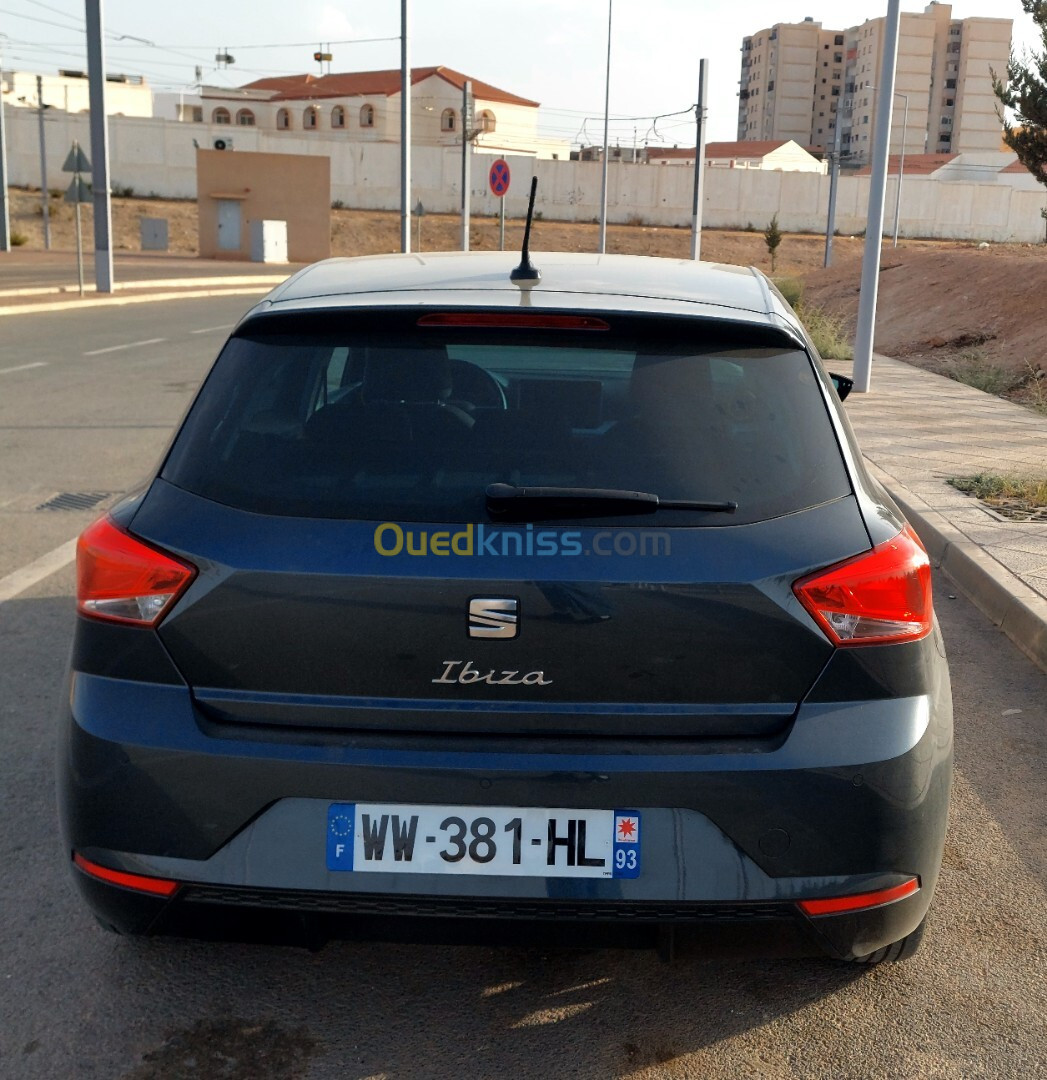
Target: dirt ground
column 954, row 307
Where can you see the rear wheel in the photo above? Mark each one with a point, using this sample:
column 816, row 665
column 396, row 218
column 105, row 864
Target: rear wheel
column 897, row 950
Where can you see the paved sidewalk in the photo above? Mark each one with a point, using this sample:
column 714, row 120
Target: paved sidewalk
column 917, row 430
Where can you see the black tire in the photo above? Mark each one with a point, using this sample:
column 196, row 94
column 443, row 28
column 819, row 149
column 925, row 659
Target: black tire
column 896, row 951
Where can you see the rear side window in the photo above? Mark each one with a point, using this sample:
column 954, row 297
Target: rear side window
column 380, row 419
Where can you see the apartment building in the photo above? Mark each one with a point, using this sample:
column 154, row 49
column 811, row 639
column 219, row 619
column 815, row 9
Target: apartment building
column 944, row 101
column 791, row 84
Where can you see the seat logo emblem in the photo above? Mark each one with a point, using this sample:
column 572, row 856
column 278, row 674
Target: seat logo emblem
column 493, row 618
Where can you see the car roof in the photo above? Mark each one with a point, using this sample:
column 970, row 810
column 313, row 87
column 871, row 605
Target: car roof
column 571, row 281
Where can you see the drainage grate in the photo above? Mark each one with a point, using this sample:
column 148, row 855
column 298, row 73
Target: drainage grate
column 74, row 500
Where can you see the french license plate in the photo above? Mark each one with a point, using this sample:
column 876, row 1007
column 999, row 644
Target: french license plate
column 511, row 841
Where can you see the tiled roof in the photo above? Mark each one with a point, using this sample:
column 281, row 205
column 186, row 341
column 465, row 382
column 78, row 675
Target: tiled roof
column 915, row 164
column 375, row 83
column 752, row 149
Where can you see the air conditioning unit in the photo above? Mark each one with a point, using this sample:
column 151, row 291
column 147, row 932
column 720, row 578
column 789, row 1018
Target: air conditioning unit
column 222, row 143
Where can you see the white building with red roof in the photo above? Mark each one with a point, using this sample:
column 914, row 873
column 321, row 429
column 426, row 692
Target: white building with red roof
column 364, row 106
column 782, row 155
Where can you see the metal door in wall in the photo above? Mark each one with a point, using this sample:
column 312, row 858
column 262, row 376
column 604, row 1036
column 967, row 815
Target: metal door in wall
column 229, row 224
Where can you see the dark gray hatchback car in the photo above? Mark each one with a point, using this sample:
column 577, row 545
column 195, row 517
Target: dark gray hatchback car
column 462, row 604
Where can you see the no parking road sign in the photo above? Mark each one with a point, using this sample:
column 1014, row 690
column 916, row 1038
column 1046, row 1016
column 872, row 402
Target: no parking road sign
column 498, row 178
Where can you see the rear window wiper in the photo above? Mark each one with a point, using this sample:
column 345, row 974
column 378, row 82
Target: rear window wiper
column 505, row 499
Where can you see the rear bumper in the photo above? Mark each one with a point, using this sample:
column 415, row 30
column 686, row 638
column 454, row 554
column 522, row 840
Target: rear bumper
column 853, row 800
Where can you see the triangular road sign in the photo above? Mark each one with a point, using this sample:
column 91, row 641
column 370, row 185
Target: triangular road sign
column 76, row 161
column 79, row 190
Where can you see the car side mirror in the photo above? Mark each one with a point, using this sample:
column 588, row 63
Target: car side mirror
column 842, row 384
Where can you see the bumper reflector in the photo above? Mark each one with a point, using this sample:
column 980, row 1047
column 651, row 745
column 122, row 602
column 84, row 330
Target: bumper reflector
column 156, row 886
column 837, row 905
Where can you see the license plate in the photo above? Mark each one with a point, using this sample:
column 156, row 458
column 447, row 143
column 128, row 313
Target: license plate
column 507, row 841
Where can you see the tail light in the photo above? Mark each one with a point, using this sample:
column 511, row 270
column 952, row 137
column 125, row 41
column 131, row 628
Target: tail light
column 122, row 579
column 138, row 882
column 837, row 905
column 878, row 598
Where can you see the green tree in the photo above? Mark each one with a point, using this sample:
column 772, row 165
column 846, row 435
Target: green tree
column 772, row 237
column 1025, row 94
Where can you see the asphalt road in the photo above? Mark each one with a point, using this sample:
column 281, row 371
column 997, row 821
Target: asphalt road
column 77, row 1002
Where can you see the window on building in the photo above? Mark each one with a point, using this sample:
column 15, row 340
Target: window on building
column 366, row 116
column 838, row 40
column 283, row 120
column 487, row 120
column 245, row 118
column 310, row 118
column 338, row 117
column 770, row 86
column 447, row 119
column 838, row 58
column 836, row 91
column 221, row 116
column 950, row 84
column 197, row 114
column 949, row 101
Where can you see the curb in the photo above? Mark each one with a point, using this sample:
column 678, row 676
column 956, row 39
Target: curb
column 1011, row 605
column 86, row 303
column 149, row 283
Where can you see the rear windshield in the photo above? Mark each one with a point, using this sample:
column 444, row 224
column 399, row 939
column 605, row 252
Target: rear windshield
column 382, row 419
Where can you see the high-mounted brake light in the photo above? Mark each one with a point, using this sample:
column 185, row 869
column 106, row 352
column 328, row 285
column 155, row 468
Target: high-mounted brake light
column 878, row 598
column 509, row 319
column 138, row 882
column 837, row 905
column 122, row 579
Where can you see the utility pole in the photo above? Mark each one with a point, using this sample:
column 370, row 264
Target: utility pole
column 699, row 160
column 834, row 181
column 606, row 127
column 103, row 220
column 405, row 130
column 901, row 166
column 863, row 342
column 467, row 138
column 44, row 194
column 5, row 216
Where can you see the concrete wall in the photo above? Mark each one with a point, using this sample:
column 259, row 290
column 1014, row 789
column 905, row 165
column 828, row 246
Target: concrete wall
column 158, row 156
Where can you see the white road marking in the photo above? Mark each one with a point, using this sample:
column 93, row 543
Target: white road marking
column 23, row 367
column 129, row 345
column 211, row 329
column 25, row 578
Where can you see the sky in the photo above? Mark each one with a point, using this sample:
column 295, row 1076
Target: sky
column 551, row 51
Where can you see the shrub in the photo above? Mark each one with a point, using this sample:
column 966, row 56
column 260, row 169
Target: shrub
column 18, row 239
column 828, row 332
column 338, row 205
column 792, row 289
column 975, row 369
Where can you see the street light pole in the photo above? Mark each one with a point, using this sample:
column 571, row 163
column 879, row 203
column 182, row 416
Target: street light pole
column 864, row 334
column 606, row 126
column 699, row 160
column 901, row 166
column 405, row 129
column 44, row 194
column 834, row 180
column 5, row 217
column 103, row 213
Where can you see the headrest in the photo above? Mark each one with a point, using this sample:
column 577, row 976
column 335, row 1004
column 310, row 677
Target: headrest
column 414, row 376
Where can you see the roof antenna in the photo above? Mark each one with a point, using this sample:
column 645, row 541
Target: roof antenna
column 527, row 275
